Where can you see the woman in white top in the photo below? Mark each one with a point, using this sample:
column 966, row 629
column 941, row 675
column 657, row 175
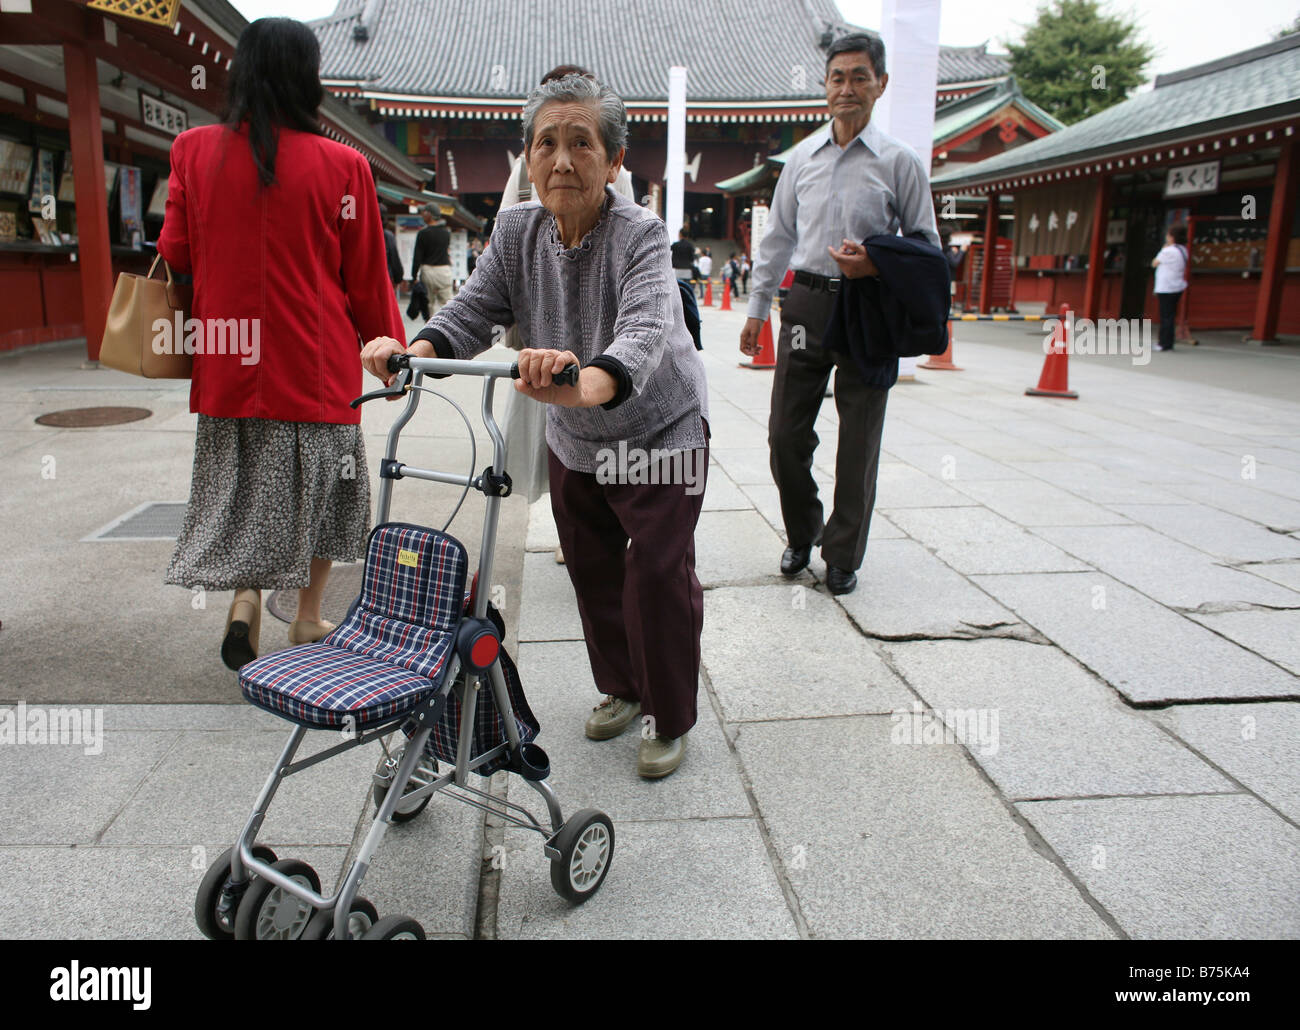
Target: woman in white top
column 1171, row 279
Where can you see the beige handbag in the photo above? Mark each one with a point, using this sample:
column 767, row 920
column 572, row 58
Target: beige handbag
column 133, row 340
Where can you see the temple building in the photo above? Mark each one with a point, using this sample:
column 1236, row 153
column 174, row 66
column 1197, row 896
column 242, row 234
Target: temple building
column 446, row 81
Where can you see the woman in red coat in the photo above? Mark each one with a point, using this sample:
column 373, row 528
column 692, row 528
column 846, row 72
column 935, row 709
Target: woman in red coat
column 281, row 230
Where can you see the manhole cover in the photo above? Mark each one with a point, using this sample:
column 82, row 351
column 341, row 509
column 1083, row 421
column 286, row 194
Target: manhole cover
column 148, row 522
column 87, row 418
column 343, row 588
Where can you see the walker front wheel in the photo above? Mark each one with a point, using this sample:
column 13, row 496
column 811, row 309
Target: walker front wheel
column 586, row 847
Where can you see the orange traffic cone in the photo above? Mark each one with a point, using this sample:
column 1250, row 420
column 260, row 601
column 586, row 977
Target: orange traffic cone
column 766, row 356
column 708, row 293
column 1055, row 380
column 726, row 296
column 944, row 360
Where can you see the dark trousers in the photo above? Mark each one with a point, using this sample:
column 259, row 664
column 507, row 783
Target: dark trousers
column 1168, row 315
column 630, row 552
column 797, row 391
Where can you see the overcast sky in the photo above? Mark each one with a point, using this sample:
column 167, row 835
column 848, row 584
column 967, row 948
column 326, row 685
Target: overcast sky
column 1184, row 32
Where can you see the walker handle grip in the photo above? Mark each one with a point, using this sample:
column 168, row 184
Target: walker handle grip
column 567, row 377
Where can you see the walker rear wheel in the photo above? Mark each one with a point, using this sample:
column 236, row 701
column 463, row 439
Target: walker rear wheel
column 216, row 921
column 270, row 913
column 363, row 916
column 395, row 928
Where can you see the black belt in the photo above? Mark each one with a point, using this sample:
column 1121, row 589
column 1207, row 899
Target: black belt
column 817, row 282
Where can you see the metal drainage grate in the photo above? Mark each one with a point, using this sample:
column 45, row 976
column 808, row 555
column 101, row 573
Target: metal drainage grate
column 341, row 589
column 87, row 418
column 151, row 521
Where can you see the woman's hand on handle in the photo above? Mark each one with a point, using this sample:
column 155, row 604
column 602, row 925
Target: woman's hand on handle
column 536, row 368
column 374, row 357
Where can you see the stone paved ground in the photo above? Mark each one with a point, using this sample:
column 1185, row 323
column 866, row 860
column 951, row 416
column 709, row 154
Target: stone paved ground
column 1061, row 703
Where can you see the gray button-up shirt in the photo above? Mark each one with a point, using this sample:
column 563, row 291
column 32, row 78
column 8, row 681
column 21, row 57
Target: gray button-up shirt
column 615, row 294
column 826, row 195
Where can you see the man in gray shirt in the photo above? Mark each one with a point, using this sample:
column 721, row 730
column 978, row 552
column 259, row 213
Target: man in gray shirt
column 845, row 182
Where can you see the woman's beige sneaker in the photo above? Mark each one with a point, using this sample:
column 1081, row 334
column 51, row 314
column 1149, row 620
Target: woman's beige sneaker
column 611, row 717
column 660, row 756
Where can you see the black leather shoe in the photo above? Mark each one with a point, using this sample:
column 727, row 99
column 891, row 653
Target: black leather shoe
column 840, row 581
column 795, row 559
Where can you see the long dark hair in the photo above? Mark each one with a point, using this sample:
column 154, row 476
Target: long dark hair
column 274, row 83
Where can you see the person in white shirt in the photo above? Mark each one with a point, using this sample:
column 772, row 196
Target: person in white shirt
column 706, row 268
column 1171, row 279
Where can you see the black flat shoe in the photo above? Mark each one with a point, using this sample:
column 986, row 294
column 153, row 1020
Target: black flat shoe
column 840, row 581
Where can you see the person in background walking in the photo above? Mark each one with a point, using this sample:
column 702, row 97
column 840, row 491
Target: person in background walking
column 280, row 488
column 395, row 275
column 1171, row 279
column 431, row 261
column 683, row 252
column 706, row 270
column 744, row 273
column 733, row 273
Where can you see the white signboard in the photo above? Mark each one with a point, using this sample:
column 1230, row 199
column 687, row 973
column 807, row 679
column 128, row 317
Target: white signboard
column 458, row 251
column 1192, row 180
column 160, row 115
column 408, row 227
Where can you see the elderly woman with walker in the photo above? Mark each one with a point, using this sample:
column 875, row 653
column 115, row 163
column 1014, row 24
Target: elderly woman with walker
column 587, row 277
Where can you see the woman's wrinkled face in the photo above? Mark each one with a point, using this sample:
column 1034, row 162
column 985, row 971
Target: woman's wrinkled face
column 567, row 162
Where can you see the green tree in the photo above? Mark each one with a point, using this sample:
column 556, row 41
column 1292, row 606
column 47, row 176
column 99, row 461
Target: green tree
column 1290, row 30
column 1078, row 59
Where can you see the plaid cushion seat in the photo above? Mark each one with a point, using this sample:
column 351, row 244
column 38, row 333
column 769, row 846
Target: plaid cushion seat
column 391, row 651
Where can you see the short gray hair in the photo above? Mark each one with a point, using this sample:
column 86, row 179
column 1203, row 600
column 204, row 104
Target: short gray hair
column 611, row 115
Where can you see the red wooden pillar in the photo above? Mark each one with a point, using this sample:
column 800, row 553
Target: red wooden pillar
column 86, row 134
column 1269, row 301
column 990, row 253
column 1097, row 250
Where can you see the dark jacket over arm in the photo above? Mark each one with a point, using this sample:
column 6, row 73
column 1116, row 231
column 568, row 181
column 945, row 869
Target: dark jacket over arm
column 901, row 313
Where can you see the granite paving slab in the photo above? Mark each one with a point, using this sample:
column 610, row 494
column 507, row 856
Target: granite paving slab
column 904, row 486
column 1204, row 868
column 1167, row 571
column 1259, row 745
column 548, row 609
column 669, row 880
column 1145, row 651
column 1039, row 725
column 1273, row 634
column 1096, row 484
column 1029, row 502
column 976, row 540
column 1214, row 532
column 904, row 592
column 736, row 547
column 880, row 839
column 788, row 652
column 602, row 773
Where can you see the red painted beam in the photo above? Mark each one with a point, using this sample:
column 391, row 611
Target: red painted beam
column 990, row 254
column 1269, row 300
column 1097, row 248
column 93, row 240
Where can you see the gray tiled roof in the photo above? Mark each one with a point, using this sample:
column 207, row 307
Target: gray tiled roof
column 742, row 50
column 1254, row 85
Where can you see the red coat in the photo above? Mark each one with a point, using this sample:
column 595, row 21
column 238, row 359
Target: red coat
column 304, row 256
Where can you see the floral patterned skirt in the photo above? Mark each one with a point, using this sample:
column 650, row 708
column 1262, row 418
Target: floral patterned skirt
column 266, row 497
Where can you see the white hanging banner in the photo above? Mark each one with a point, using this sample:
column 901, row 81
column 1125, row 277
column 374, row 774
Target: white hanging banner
column 676, row 170
column 910, row 29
